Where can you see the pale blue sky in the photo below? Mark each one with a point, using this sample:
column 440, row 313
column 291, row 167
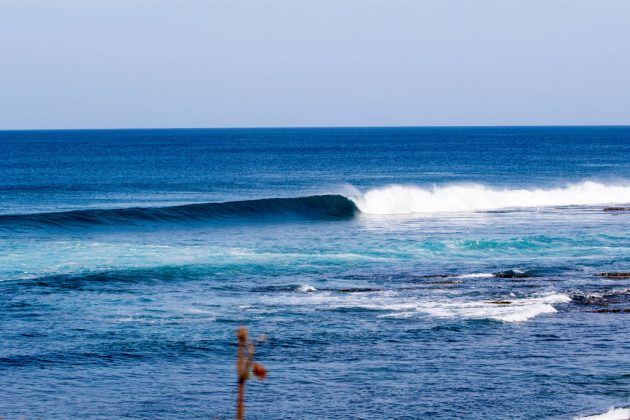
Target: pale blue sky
column 257, row 63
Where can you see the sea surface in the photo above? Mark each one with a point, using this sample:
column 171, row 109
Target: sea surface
column 396, row 272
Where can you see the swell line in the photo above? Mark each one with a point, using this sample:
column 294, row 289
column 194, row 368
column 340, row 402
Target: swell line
column 323, row 207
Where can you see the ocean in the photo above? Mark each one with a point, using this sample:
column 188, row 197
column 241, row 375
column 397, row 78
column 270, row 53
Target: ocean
column 395, row 272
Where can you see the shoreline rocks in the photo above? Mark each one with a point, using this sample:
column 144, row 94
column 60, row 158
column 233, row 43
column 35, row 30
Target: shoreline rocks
column 612, row 311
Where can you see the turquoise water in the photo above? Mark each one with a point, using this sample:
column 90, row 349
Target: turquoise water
column 368, row 257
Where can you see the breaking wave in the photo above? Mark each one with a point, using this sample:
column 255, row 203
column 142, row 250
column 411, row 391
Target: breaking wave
column 399, row 199
column 392, row 199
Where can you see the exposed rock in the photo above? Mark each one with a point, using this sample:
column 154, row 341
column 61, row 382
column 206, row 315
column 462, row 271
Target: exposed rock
column 589, row 299
column 617, row 209
column 513, row 274
column 359, row 290
column 500, row 302
column 445, row 282
column 613, row 311
column 616, row 275
column 605, row 298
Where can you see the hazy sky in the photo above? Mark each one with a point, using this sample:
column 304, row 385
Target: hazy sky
column 233, row 63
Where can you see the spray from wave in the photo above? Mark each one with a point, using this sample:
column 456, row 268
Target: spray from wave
column 399, row 199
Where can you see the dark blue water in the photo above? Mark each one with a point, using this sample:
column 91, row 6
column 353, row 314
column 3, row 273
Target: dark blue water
column 372, row 259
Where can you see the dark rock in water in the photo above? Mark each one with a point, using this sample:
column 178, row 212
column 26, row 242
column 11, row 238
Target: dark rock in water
column 613, row 311
column 500, row 302
column 359, row 290
column 513, row 274
column 615, row 275
column 617, row 209
column 611, row 297
column 445, row 282
column 588, row 299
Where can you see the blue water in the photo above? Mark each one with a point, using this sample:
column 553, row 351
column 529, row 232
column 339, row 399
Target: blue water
column 368, row 257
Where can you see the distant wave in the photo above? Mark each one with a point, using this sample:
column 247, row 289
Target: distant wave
column 399, row 199
column 323, row 207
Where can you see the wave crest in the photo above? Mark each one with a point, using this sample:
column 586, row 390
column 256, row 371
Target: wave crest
column 399, row 199
column 313, row 207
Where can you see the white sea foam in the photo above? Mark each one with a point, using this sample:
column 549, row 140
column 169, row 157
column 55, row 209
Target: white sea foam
column 399, row 199
column 402, row 304
column 475, row 276
column 612, row 414
column 306, row 288
column 518, row 310
column 197, row 311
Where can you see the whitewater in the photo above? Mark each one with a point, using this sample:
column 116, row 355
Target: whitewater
column 403, row 199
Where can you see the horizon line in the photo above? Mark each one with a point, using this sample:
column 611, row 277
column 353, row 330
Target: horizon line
column 288, row 127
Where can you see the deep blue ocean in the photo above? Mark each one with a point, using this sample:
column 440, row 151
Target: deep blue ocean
column 396, row 272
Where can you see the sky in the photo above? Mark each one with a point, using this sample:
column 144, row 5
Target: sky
column 274, row 63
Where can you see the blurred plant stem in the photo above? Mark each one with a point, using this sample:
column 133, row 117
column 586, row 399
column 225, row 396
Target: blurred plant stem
column 245, row 365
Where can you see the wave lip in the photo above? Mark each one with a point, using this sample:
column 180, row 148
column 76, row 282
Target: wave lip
column 322, row 207
column 399, row 199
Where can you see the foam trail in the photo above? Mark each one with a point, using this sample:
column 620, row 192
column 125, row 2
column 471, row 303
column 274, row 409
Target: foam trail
column 612, row 414
column 399, row 199
column 519, row 310
column 400, row 304
column 475, row 276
